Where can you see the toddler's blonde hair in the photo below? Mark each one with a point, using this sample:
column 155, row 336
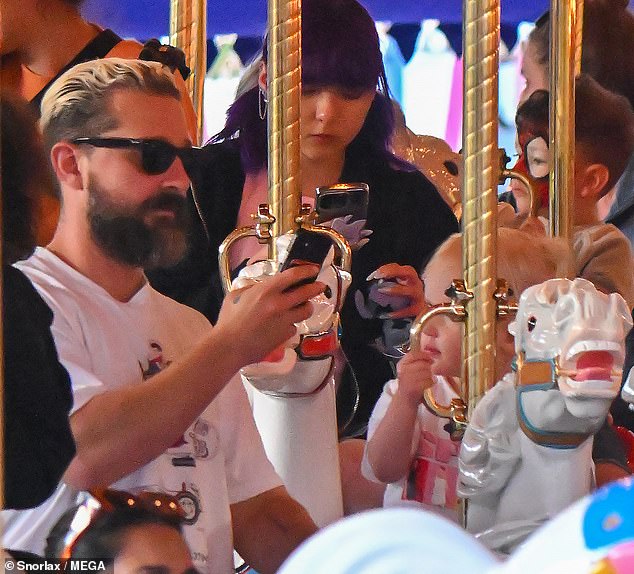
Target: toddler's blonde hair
column 523, row 259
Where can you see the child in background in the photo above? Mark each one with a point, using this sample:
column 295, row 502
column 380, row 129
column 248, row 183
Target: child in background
column 604, row 141
column 408, row 447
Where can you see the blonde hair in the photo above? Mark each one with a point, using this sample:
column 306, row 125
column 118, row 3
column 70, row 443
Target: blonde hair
column 523, row 259
column 77, row 103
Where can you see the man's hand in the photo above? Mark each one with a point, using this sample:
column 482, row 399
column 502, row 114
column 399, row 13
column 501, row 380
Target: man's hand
column 257, row 319
column 414, row 376
column 408, row 285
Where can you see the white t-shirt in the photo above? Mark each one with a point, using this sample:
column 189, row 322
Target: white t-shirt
column 105, row 344
column 432, row 479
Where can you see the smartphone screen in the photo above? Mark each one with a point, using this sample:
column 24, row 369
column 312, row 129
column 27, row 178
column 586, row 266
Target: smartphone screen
column 341, row 200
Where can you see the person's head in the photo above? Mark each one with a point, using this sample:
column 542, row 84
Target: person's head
column 604, row 141
column 523, row 260
column 341, row 107
column 117, row 137
column 535, row 59
column 531, row 121
column 25, row 176
column 607, row 48
column 18, row 19
column 131, row 534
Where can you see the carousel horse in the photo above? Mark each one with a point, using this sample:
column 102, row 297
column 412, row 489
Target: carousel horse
column 593, row 536
column 292, row 393
column 435, row 159
column 527, row 452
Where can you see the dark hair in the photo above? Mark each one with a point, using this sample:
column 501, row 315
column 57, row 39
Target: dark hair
column 607, row 46
column 604, row 124
column 340, row 47
column 105, row 536
column 532, row 116
column 25, row 174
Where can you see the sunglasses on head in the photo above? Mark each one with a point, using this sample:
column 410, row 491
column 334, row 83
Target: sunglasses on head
column 157, row 156
column 101, row 502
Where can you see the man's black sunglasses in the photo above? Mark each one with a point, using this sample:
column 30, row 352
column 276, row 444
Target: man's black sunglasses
column 156, row 155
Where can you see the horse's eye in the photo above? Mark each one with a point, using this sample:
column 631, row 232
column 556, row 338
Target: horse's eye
column 532, row 322
column 451, row 167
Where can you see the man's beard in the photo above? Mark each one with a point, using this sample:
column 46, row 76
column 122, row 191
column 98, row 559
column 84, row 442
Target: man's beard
column 127, row 234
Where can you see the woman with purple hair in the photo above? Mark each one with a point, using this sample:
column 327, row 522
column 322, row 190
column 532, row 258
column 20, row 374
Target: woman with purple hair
column 346, row 128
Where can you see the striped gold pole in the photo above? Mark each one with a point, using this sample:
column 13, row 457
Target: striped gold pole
column 284, row 90
column 188, row 31
column 481, row 38
column 563, row 36
column 578, row 37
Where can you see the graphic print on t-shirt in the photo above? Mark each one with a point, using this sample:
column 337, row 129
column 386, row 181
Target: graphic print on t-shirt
column 199, row 442
column 155, row 361
column 189, row 499
column 433, row 476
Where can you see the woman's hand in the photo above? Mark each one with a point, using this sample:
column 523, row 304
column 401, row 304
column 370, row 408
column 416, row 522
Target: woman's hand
column 403, row 282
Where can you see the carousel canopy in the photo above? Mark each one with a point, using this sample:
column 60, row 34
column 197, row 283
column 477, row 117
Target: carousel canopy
column 145, row 19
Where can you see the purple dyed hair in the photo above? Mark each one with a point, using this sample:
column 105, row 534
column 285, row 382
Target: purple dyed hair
column 340, row 47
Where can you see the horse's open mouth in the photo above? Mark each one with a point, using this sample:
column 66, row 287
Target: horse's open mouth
column 591, row 368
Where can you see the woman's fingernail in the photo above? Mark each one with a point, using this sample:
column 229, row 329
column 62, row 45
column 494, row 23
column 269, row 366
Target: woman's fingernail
column 374, row 275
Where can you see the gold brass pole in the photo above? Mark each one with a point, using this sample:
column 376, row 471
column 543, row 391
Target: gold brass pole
column 563, row 36
column 284, row 90
column 188, row 31
column 481, row 37
column 578, row 37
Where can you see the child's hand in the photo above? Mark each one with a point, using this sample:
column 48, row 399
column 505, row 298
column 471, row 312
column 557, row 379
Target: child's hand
column 414, row 376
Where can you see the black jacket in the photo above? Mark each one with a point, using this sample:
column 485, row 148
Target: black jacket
column 408, row 217
column 37, row 397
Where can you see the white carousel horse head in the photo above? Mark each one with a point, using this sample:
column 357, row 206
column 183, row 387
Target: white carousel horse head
column 578, row 332
column 305, row 360
column 531, row 433
column 593, row 536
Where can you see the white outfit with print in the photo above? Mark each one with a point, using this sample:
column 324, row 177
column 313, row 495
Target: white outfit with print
column 432, row 480
column 105, row 344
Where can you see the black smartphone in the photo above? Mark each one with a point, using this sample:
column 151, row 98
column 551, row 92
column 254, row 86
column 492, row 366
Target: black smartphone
column 340, row 200
column 307, row 247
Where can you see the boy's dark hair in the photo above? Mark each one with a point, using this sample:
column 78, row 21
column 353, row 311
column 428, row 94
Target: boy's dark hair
column 604, row 127
column 532, row 115
column 604, row 124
